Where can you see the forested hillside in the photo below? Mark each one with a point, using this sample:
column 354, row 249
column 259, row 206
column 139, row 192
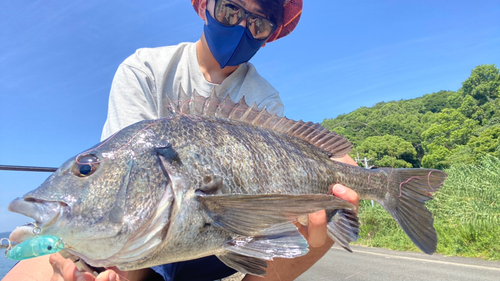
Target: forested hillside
column 433, row 131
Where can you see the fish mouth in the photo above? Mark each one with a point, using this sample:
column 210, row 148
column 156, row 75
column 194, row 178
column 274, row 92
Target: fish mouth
column 45, row 213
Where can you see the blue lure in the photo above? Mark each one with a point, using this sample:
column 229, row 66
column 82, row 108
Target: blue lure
column 35, row 247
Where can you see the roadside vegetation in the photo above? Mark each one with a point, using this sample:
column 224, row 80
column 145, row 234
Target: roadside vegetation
column 458, row 132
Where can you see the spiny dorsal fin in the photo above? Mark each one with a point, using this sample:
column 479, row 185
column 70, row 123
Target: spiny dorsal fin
column 213, row 106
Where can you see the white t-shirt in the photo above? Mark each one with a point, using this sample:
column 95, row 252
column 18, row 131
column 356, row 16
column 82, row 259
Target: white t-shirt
column 144, row 79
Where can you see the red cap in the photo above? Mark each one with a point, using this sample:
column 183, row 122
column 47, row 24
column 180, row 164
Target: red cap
column 292, row 9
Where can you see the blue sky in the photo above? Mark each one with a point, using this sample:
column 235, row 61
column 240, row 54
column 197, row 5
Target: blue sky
column 58, row 59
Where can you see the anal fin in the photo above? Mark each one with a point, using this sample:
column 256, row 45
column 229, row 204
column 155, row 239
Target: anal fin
column 280, row 241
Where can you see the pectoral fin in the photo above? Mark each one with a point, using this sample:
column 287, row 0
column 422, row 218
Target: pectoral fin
column 250, row 215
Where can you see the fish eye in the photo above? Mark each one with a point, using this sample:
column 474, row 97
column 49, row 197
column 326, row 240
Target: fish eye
column 85, row 166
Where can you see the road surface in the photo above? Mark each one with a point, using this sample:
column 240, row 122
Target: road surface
column 380, row 264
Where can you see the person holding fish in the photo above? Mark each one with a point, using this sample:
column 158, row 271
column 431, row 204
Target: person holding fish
column 144, row 83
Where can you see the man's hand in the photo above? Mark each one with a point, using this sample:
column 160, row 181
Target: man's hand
column 315, row 232
column 65, row 270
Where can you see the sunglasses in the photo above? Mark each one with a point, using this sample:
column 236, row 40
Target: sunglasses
column 229, row 13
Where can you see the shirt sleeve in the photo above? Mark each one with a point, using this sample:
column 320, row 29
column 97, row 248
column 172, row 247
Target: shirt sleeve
column 131, row 99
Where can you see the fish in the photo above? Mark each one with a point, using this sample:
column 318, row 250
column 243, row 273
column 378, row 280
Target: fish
column 217, row 177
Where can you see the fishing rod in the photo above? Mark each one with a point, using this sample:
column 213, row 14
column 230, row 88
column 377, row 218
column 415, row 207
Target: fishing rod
column 27, row 168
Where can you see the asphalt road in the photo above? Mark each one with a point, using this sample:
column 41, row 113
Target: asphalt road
column 380, row 264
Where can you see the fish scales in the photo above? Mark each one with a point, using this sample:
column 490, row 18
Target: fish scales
column 212, row 145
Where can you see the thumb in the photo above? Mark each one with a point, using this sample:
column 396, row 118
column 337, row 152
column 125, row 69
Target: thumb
column 108, row 275
column 347, row 194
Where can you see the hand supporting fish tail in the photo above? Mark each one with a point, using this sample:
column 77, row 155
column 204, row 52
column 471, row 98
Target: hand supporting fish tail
column 315, row 232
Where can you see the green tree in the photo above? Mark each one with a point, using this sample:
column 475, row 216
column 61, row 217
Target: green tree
column 455, row 99
column 388, row 151
column 436, row 157
column 449, row 128
column 468, row 107
column 436, row 102
column 483, row 84
column 487, row 142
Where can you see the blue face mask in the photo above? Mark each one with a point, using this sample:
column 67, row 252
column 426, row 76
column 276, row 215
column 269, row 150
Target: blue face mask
column 230, row 46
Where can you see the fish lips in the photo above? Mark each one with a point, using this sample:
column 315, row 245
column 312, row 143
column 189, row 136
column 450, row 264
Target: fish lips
column 45, row 213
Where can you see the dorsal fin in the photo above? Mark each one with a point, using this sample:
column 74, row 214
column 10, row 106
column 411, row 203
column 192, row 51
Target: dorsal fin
column 336, row 145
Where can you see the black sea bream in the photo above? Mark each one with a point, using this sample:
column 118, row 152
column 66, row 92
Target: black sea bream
column 216, row 178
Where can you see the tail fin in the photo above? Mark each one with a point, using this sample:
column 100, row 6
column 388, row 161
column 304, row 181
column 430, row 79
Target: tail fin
column 408, row 206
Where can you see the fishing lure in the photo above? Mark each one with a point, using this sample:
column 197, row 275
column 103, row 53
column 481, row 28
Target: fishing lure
column 34, row 247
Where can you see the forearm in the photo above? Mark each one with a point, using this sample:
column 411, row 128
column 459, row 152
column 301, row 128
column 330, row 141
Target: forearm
column 346, row 159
